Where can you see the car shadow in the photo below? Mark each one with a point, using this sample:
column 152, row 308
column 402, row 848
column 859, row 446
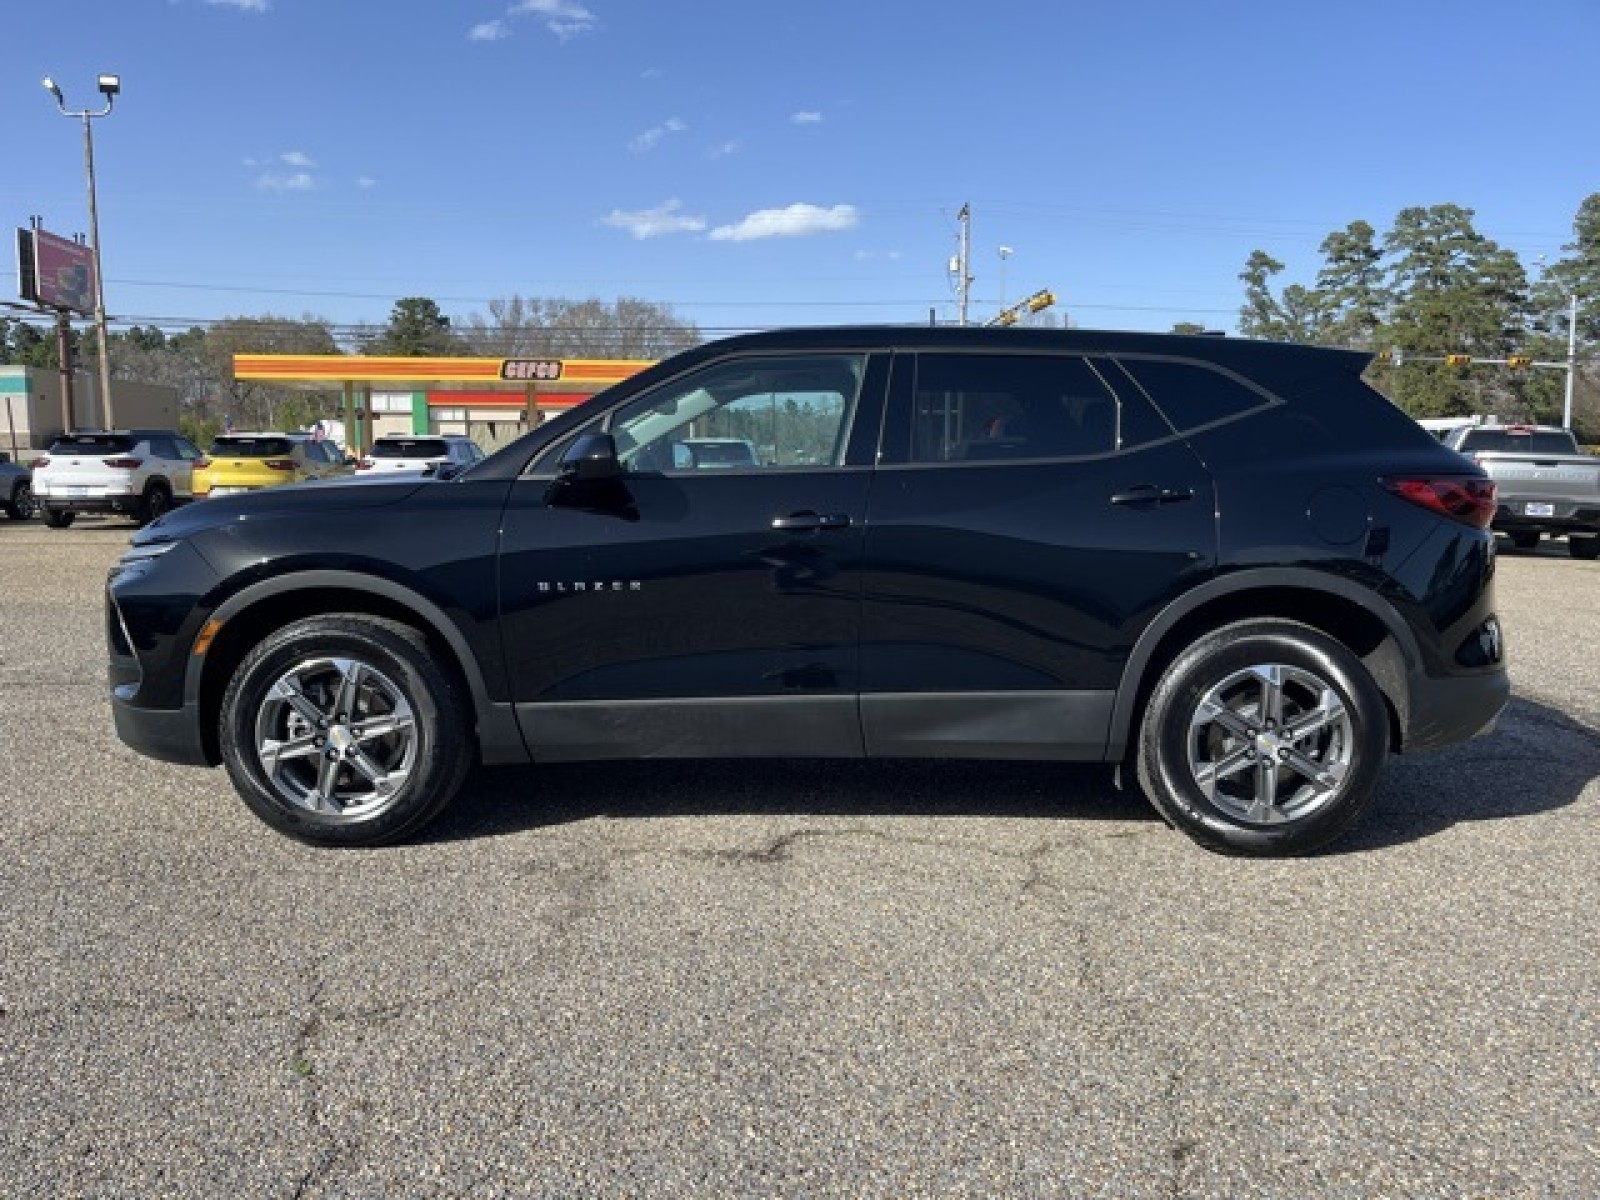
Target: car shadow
column 1537, row 760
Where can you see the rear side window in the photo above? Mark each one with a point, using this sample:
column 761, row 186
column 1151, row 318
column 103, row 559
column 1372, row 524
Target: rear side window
column 409, row 448
column 1192, row 395
column 974, row 407
column 91, row 445
column 233, row 446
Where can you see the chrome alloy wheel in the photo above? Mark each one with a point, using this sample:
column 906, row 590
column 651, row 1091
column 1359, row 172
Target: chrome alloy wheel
column 336, row 736
column 1270, row 743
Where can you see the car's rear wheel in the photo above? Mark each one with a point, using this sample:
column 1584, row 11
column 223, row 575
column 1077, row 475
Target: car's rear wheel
column 1525, row 539
column 58, row 518
column 345, row 731
column 23, row 506
column 1264, row 738
column 1586, row 548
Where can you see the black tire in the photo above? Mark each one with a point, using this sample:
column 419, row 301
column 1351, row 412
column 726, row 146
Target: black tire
column 1524, row 539
column 1585, row 548
column 157, row 500
column 23, row 506
column 315, row 794
column 58, row 518
column 1190, row 763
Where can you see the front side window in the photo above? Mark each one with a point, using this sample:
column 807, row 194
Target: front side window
column 986, row 407
column 748, row 414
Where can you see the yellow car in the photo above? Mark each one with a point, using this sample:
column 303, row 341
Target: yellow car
column 246, row 462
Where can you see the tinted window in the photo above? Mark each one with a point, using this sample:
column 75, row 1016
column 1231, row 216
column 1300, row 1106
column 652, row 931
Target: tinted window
column 970, row 407
column 1192, row 395
column 793, row 412
column 240, row 446
column 409, row 448
column 91, row 444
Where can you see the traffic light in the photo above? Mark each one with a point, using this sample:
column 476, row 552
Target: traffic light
column 1520, row 360
column 1458, row 360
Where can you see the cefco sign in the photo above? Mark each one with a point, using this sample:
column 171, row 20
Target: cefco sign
column 55, row 272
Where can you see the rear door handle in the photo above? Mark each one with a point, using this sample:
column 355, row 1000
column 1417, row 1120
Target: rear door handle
column 1149, row 493
column 810, row 522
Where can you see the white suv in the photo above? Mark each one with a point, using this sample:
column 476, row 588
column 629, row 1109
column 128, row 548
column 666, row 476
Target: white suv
column 140, row 472
column 416, row 452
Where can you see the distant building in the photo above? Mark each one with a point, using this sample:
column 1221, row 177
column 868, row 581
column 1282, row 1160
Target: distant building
column 31, row 415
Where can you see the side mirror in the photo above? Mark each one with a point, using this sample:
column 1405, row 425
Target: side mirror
column 4, row 457
column 591, row 458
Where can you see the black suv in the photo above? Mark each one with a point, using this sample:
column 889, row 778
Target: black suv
column 1231, row 565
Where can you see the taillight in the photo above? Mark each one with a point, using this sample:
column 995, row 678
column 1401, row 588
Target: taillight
column 201, row 463
column 279, row 464
column 1469, row 500
column 364, row 465
column 42, row 461
column 125, row 463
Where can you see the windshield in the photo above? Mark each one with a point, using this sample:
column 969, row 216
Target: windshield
column 235, row 446
column 409, row 448
column 1508, row 441
column 93, row 444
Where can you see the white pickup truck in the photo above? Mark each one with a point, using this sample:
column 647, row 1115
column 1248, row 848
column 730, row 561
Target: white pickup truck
column 1546, row 484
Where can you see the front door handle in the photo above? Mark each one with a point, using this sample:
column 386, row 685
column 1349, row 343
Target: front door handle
column 1149, row 493
column 811, row 522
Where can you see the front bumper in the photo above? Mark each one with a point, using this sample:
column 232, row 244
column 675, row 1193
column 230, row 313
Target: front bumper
column 171, row 735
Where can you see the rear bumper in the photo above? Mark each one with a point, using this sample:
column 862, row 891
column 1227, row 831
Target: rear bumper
column 1442, row 712
column 116, row 502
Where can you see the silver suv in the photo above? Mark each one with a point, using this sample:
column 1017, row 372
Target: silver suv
column 139, row 472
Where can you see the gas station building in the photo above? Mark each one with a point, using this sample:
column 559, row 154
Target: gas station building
column 489, row 399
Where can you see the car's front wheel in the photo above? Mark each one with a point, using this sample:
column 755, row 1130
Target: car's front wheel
column 345, row 731
column 1264, row 738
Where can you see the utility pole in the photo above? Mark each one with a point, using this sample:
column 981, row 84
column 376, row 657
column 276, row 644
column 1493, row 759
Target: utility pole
column 964, row 260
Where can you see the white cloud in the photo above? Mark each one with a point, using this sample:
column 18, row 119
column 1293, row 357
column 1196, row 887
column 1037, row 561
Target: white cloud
column 651, row 138
column 725, row 149
column 564, row 18
column 489, row 31
column 798, row 220
column 256, row 6
column 806, row 118
column 655, row 222
column 366, row 181
column 296, row 159
column 277, row 181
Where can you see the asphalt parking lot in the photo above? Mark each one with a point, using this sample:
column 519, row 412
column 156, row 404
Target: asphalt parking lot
column 792, row 979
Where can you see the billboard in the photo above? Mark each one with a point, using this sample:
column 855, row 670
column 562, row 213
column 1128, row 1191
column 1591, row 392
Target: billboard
column 55, row 272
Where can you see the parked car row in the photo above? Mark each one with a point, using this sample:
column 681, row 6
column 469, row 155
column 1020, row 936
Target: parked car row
column 143, row 473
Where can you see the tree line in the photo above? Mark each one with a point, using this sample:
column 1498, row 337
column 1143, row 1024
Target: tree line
column 1433, row 285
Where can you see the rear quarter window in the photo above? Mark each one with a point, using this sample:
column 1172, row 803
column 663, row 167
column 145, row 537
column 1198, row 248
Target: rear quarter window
column 1192, row 395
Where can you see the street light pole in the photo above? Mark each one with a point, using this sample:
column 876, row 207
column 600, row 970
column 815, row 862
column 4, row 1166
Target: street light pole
column 110, row 86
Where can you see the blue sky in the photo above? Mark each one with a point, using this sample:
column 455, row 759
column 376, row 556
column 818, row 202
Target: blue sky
column 751, row 163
